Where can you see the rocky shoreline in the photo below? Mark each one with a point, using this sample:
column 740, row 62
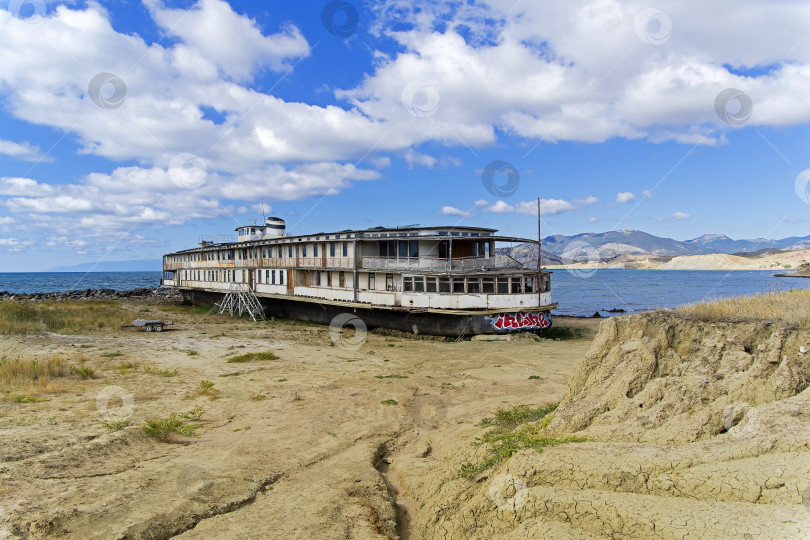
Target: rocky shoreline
column 156, row 295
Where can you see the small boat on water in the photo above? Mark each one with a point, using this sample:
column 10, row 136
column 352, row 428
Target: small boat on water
column 426, row 280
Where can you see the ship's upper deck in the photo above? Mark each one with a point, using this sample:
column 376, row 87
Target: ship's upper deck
column 252, row 235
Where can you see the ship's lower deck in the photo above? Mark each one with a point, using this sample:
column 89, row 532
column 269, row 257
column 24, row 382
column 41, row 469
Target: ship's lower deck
column 429, row 321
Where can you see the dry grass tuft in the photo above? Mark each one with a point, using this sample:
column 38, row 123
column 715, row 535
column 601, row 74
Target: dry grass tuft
column 789, row 307
column 17, row 318
column 64, row 317
column 21, row 372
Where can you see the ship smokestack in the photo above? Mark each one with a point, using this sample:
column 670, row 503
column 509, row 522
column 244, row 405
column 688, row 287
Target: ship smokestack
column 274, row 227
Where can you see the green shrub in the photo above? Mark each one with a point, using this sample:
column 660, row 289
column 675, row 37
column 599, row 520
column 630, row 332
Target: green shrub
column 511, row 431
column 116, row 425
column 252, row 357
column 165, row 429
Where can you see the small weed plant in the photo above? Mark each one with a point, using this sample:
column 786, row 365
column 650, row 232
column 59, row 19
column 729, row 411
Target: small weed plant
column 512, row 430
column 167, row 429
column 252, row 357
column 116, row 425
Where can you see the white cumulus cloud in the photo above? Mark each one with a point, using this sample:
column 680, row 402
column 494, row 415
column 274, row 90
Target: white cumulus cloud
column 625, row 197
column 548, row 207
column 452, row 211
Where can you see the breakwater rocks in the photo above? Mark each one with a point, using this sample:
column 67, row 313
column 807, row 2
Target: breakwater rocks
column 151, row 295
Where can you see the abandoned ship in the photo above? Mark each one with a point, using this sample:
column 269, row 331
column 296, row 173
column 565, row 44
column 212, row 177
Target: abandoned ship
column 427, row 280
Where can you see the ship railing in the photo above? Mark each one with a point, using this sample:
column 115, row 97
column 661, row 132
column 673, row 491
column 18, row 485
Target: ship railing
column 265, row 262
column 216, row 239
column 216, row 264
column 299, row 262
column 423, row 264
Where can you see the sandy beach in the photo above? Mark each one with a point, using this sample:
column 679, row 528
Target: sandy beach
column 667, row 427
column 292, row 447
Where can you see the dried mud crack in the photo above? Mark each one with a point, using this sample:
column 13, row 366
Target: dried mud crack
column 202, row 507
column 382, row 462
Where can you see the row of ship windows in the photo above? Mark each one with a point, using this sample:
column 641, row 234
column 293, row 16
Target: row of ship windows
column 255, row 253
column 387, row 248
column 428, row 284
column 472, row 284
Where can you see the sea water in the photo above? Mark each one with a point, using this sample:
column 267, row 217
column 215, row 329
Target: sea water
column 584, row 292
column 579, row 292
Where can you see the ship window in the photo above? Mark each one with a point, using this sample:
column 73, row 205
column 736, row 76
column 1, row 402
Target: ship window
column 430, row 284
column 372, row 281
column 304, row 250
column 341, row 279
column 403, row 249
column 273, row 277
column 315, row 250
column 331, row 249
column 279, row 252
column 407, row 284
column 473, row 285
column 503, row 285
column 281, row 277
column 530, row 284
column 444, row 285
column 317, row 278
column 419, row 284
column 517, row 285
column 388, row 248
column 289, row 250
column 389, row 282
column 488, row 285
column 443, row 249
column 413, row 248
column 345, row 249
column 458, row 285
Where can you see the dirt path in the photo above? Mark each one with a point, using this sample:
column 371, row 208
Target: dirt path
column 323, row 442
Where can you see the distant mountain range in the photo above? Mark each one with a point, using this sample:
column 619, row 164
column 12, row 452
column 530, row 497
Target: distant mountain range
column 560, row 249
column 140, row 265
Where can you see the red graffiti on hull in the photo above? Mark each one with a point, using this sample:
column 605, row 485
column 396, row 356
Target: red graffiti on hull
column 522, row 321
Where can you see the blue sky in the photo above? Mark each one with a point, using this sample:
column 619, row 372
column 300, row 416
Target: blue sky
column 129, row 129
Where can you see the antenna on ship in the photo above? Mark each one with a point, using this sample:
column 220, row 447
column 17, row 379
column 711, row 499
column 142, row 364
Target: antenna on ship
column 539, row 239
column 539, row 257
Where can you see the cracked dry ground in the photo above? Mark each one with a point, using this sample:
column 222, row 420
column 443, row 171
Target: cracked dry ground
column 298, row 447
column 695, row 430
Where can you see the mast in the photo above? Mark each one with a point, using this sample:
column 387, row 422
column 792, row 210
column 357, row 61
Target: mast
column 539, row 257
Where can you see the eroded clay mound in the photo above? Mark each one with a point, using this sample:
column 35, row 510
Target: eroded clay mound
column 696, row 430
column 660, row 378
